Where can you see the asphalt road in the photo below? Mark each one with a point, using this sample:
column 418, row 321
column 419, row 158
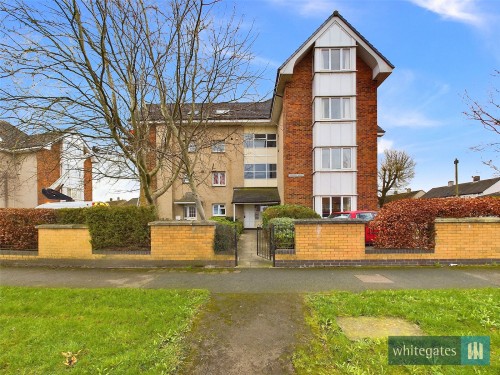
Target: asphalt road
column 256, row 280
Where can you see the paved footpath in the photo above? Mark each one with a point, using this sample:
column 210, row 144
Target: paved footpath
column 271, row 280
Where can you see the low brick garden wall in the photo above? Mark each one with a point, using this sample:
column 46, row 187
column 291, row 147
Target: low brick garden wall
column 173, row 243
column 324, row 243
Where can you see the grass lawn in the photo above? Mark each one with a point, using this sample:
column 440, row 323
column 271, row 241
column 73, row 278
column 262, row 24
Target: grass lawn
column 437, row 312
column 116, row 331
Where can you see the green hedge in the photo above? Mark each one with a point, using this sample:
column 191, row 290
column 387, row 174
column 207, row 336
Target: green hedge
column 113, row 227
column 284, row 232
column 229, row 221
column 293, row 211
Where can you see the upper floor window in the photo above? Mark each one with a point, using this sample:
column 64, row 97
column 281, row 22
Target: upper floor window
column 260, row 171
column 336, row 158
column 218, row 178
column 219, row 146
column 336, row 59
column 259, row 140
column 336, row 108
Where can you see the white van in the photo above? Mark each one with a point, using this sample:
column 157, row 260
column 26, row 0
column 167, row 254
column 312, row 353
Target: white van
column 81, row 204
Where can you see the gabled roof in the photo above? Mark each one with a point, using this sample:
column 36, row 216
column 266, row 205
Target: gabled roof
column 408, row 195
column 468, row 188
column 323, row 25
column 14, row 139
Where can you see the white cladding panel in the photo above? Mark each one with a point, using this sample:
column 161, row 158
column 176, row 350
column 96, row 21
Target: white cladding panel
column 335, row 36
column 318, row 110
column 334, row 134
column 334, row 84
column 334, row 183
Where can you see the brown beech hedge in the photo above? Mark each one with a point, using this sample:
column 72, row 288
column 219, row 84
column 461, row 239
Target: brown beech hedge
column 17, row 227
column 409, row 223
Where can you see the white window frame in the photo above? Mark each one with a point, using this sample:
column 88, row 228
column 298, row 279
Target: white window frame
column 342, row 58
column 267, row 170
column 345, row 204
column 185, row 179
column 219, row 147
column 251, row 140
column 216, row 181
column 189, row 212
column 219, row 209
column 345, row 108
column 328, row 163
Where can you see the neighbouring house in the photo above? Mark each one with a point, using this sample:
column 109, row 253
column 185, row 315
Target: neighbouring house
column 408, row 194
column 476, row 188
column 28, row 163
column 314, row 143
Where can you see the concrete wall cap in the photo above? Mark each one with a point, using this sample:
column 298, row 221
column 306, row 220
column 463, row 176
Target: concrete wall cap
column 62, row 226
column 328, row 221
column 485, row 219
column 182, row 223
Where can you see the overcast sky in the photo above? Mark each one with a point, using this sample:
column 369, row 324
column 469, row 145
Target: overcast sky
column 441, row 49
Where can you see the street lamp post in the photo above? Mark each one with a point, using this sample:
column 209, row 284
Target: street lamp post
column 456, row 177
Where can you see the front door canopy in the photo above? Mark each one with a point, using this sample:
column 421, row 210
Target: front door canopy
column 263, row 196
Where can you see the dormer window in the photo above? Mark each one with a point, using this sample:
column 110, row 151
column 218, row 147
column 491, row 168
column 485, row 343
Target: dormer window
column 221, row 111
column 195, row 112
column 336, row 59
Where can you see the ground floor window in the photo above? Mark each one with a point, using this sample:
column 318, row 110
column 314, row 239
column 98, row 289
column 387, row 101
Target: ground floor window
column 334, row 204
column 189, row 212
column 218, row 209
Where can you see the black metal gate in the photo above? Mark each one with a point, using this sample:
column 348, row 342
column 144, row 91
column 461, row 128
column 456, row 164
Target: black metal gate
column 265, row 243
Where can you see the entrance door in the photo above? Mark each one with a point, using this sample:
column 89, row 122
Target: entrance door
column 249, row 212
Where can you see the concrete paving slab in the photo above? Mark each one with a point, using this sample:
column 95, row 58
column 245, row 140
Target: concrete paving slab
column 376, row 278
column 356, row 328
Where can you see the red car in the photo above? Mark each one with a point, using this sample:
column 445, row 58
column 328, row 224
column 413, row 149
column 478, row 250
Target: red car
column 367, row 216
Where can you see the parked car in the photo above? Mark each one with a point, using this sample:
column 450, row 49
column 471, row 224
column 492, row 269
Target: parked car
column 366, row 216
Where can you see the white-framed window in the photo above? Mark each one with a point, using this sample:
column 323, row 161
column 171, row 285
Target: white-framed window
column 259, row 140
column 336, row 59
column 219, row 146
column 218, row 209
column 218, row 178
column 185, row 179
column 330, row 205
column 192, row 147
column 189, row 212
column 336, row 108
column 260, row 171
column 336, row 158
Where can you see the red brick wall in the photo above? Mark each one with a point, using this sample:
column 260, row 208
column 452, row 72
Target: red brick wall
column 87, row 179
column 297, row 135
column 366, row 137
column 48, row 169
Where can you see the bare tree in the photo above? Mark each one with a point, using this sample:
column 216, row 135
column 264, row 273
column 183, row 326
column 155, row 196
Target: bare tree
column 397, row 169
column 95, row 66
column 488, row 115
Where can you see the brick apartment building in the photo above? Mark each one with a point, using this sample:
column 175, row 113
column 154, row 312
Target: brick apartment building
column 314, row 143
column 29, row 163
